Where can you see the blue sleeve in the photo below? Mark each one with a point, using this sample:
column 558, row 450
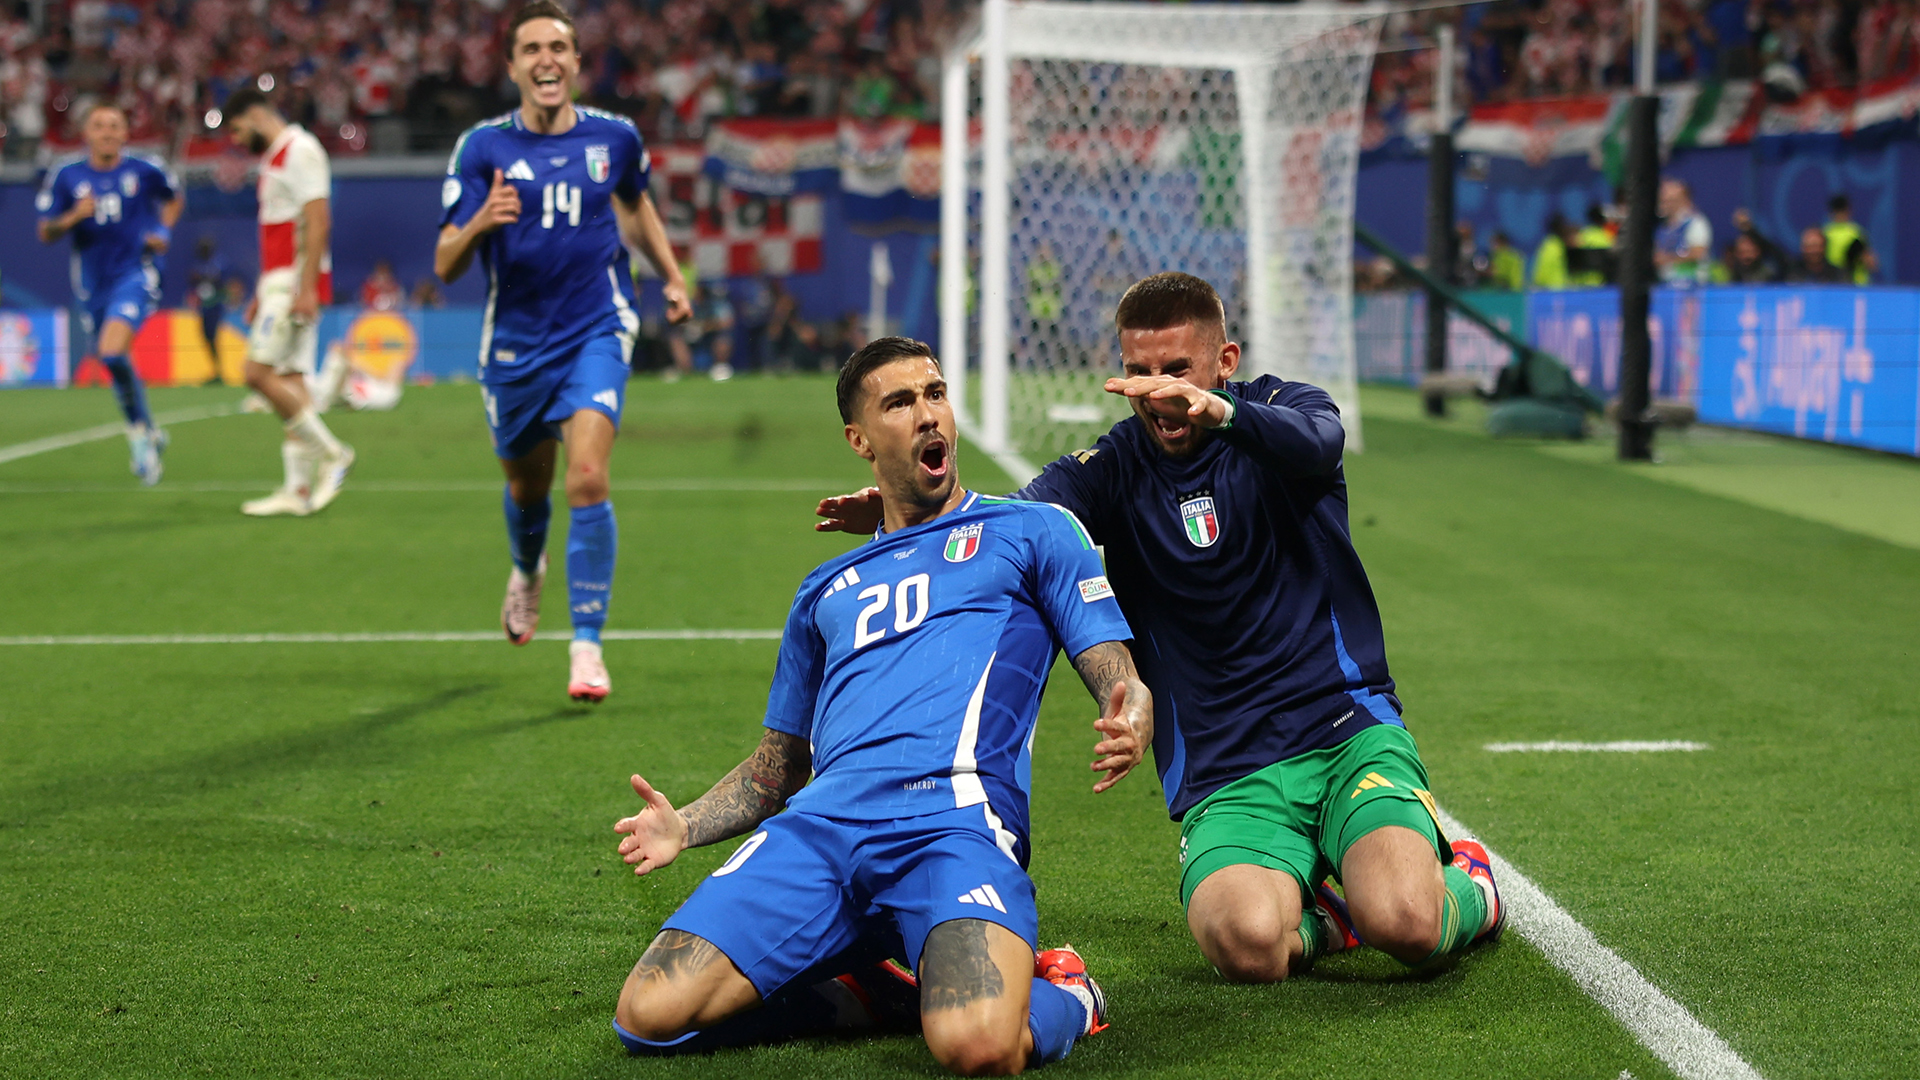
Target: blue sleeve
column 632, row 181
column 160, row 182
column 467, row 183
column 1071, row 585
column 56, row 196
column 1289, row 427
column 797, row 673
column 1083, row 482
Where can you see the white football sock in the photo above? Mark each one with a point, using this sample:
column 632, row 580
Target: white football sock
column 298, row 461
column 312, row 431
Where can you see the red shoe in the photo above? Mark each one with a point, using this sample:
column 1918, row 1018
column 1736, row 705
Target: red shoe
column 888, row 993
column 1335, row 906
column 1472, row 858
column 1063, row 968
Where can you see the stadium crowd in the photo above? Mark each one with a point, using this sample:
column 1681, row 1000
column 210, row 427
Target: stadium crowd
column 368, row 76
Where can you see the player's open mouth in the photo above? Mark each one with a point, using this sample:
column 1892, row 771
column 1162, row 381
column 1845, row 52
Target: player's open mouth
column 1169, row 429
column 933, row 458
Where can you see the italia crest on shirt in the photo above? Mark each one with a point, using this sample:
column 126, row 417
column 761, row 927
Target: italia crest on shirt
column 1203, row 524
column 598, row 165
column 963, row 542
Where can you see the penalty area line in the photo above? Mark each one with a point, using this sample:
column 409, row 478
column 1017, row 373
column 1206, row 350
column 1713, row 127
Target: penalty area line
column 1625, row 747
column 376, row 638
column 108, row 431
column 1662, row 1025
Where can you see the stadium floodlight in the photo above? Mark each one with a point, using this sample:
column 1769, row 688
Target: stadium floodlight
column 1101, row 142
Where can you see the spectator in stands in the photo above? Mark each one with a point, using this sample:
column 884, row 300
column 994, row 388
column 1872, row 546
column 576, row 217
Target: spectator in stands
column 1813, row 267
column 708, row 336
column 1746, row 264
column 1770, row 252
column 1550, row 258
column 1469, row 262
column 381, row 291
column 426, row 294
column 1683, row 242
column 1506, row 267
column 207, row 292
column 1847, row 247
column 1591, row 262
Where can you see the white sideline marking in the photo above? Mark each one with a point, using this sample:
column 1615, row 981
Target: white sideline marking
column 372, row 638
column 1662, row 1025
column 108, row 431
column 1627, row 747
column 430, row 486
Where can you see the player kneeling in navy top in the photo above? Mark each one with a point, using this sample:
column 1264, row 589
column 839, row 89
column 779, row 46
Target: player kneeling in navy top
column 545, row 195
column 908, row 682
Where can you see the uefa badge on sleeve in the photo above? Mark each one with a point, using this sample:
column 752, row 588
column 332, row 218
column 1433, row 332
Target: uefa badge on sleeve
column 598, row 168
column 1203, row 524
column 963, row 542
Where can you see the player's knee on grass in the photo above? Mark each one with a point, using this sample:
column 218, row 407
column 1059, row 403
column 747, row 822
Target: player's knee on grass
column 1394, row 892
column 972, row 1043
column 1245, row 925
column 682, row 983
column 976, row 979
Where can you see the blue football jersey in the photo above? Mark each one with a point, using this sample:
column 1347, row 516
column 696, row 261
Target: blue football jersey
column 1258, row 631
column 559, row 274
column 915, row 663
column 110, row 247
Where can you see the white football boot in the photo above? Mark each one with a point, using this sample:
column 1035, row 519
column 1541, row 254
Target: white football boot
column 520, row 611
column 588, row 679
column 284, row 502
column 331, row 476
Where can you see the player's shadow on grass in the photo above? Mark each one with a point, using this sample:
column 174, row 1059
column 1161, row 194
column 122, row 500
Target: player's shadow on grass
column 346, row 743
column 510, row 727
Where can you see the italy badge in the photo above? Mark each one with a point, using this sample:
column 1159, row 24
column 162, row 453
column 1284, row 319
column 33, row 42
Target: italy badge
column 963, row 542
column 1203, row 525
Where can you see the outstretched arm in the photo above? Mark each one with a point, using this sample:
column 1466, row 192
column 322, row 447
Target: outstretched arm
column 1126, row 710
column 754, row 791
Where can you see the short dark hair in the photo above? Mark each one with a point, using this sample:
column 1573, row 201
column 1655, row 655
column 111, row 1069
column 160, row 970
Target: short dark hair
column 238, row 102
column 1168, row 300
column 540, row 9
column 1839, row 203
column 874, row 354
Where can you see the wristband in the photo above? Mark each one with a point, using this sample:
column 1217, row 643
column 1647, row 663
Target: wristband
column 1233, row 408
column 165, row 234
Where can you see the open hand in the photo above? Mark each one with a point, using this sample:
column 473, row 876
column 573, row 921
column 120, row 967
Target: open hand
column 656, row 835
column 857, row 513
column 1170, row 397
column 1127, row 727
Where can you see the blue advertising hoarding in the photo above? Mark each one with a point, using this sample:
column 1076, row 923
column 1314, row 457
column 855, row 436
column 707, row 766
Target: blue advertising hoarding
column 33, row 348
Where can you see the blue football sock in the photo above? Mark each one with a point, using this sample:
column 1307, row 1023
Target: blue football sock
column 527, row 530
column 1056, row 1018
column 126, row 387
column 591, row 541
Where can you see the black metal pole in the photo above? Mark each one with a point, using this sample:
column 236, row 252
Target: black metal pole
column 1637, row 279
column 1441, row 249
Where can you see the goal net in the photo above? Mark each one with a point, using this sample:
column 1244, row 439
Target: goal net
column 1091, row 144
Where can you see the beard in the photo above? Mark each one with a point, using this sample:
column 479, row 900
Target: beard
column 256, row 143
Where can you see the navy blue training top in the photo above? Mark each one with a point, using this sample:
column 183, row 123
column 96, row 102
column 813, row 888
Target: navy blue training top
column 1253, row 621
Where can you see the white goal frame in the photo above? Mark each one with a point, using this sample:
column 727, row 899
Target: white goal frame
column 1256, row 42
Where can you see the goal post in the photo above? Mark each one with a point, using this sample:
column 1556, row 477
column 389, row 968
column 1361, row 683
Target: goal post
column 1095, row 143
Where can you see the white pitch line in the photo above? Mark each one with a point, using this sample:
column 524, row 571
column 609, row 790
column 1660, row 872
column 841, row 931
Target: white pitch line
column 1664, row 1026
column 1626, row 747
column 430, row 487
column 108, row 431
column 371, row 638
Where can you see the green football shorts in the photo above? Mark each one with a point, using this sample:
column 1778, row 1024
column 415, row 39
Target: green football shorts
column 1302, row 814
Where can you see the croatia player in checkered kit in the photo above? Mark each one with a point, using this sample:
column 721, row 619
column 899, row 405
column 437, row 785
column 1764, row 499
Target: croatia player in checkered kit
column 908, row 683
column 120, row 210
column 548, row 196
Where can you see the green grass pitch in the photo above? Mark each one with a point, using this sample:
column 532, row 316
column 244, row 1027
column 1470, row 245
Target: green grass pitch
column 396, row 859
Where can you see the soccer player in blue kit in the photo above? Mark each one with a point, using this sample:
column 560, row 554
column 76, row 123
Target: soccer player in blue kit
column 558, row 335
column 908, row 683
column 1222, row 509
column 120, row 209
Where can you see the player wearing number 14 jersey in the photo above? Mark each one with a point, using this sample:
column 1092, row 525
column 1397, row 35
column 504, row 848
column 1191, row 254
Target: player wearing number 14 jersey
column 908, row 682
column 544, row 196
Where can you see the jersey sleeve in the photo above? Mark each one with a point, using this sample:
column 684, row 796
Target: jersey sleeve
column 160, row 181
column 633, row 180
column 798, row 671
column 468, row 180
column 309, row 176
column 1292, row 428
column 56, row 195
column 1071, row 585
column 1083, row 482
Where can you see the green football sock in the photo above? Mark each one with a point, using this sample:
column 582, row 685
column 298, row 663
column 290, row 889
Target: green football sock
column 1316, row 935
column 1463, row 913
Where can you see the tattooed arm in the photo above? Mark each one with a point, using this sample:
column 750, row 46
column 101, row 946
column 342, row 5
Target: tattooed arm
column 1126, row 716
column 754, row 791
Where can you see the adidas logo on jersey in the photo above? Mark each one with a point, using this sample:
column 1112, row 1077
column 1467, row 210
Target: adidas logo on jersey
column 520, row 170
column 610, row 398
column 985, row 897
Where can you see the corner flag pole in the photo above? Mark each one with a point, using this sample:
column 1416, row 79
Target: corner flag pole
column 1441, row 245
column 1636, row 262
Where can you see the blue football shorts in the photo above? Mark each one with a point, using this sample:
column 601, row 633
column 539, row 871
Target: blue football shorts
column 131, row 300
column 805, row 888
column 528, row 411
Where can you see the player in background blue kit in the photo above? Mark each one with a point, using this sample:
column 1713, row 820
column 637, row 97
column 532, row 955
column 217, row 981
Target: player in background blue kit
column 1222, row 508
column 908, row 683
column 120, row 209
column 548, row 196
